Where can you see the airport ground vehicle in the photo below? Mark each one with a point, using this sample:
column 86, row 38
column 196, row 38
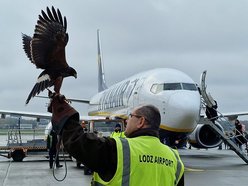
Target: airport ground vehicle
column 102, row 127
column 20, row 143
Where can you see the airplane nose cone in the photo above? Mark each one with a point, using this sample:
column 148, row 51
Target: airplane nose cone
column 181, row 112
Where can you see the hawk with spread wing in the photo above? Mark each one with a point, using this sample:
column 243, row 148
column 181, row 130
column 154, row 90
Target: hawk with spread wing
column 46, row 49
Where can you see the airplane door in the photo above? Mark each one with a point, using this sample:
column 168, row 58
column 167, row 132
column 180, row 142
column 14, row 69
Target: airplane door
column 203, row 87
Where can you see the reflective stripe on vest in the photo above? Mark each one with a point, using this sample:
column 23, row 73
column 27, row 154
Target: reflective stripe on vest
column 117, row 178
column 179, row 167
column 126, row 162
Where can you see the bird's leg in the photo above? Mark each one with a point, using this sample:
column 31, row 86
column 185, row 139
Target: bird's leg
column 50, row 93
column 57, row 84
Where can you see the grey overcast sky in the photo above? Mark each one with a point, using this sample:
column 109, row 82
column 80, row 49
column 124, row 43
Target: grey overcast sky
column 136, row 35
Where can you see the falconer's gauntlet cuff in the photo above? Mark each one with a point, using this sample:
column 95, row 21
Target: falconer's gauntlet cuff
column 61, row 112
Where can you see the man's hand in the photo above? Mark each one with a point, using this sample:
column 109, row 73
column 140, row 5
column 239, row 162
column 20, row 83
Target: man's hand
column 61, row 112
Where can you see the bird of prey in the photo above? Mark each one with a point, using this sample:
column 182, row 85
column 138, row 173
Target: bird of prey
column 46, row 49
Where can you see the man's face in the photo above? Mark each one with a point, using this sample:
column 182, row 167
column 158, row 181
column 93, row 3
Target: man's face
column 134, row 122
column 117, row 129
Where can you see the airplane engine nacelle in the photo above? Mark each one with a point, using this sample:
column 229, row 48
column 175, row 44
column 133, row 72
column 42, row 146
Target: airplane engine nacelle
column 204, row 137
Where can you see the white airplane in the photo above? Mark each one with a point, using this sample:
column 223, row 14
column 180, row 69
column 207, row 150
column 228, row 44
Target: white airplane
column 173, row 92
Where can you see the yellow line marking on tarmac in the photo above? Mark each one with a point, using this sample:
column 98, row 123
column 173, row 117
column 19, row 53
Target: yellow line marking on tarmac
column 193, row 170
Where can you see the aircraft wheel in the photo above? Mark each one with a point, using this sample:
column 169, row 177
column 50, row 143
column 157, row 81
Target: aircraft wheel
column 18, row 155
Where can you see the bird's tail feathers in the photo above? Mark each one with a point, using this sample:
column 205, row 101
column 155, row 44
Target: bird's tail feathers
column 38, row 87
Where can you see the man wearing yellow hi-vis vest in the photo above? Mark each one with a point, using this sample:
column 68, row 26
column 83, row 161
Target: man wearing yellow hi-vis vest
column 138, row 159
column 141, row 158
column 117, row 132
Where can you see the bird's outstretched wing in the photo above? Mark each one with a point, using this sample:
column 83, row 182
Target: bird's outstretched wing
column 47, row 47
column 26, row 45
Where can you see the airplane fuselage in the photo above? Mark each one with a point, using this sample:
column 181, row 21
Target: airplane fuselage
column 172, row 91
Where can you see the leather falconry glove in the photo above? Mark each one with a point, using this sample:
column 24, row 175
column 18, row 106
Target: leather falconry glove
column 61, row 112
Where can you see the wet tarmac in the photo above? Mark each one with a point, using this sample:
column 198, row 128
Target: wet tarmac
column 203, row 168
column 214, row 167
column 35, row 171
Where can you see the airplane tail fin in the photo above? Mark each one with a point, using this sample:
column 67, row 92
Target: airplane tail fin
column 101, row 76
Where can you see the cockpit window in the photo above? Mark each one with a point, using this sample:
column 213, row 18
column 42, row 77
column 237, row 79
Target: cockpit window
column 157, row 88
column 172, row 86
column 189, row 86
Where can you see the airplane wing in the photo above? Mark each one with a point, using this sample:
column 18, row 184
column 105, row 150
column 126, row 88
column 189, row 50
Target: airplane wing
column 38, row 116
column 25, row 114
column 41, row 115
column 234, row 115
column 230, row 115
column 71, row 99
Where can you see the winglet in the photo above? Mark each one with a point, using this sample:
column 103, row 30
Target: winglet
column 101, row 76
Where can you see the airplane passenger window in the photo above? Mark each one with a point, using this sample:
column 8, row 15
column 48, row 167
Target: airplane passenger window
column 189, row 86
column 172, row 86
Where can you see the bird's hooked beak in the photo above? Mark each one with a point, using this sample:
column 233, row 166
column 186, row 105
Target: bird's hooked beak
column 75, row 75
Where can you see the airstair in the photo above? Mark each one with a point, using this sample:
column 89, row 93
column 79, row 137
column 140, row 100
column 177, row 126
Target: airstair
column 207, row 100
column 226, row 139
